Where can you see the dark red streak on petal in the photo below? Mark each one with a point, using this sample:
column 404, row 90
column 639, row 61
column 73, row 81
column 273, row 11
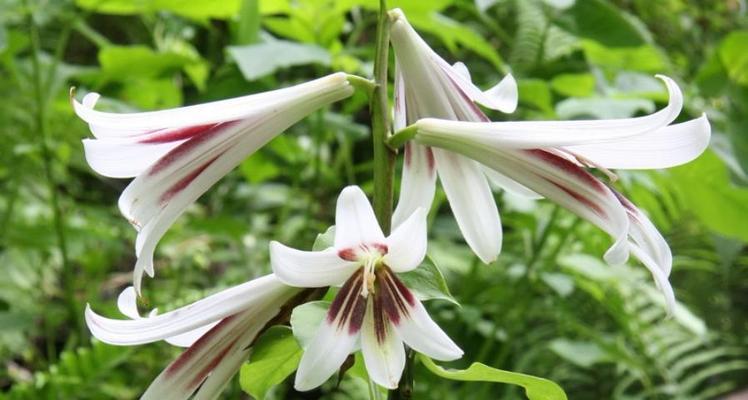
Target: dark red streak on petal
column 351, row 287
column 379, row 324
column 570, row 167
column 185, row 357
column 356, row 315
column 430, row 160
column 184, row 182
column 474, row 108
column 173, row 135
column 347, row 254
column 211, row 365
column 186, row 147
column 626, row 203
column 408, row 155
column 580, row 198
column 405, row 293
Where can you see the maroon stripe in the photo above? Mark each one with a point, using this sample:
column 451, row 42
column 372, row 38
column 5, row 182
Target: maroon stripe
column 430, row 160
column 356, row 316
column 582, row 199
column 211, row 365
column 188, row 354
column 379, row 325
column 173, row 135
column 474, row 108
column 184, row 182
column 187, row 147
column 569, row 167
column 342, row 297
column 408, row 155
column 347, row 254
column 404, row 291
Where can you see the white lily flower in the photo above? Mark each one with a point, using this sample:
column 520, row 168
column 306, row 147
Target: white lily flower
column 541, row 157
column 218, row 330
column 373, row 305
column 177, row 155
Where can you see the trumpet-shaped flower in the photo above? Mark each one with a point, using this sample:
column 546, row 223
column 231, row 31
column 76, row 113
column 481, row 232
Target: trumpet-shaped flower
column 177, row 155
column 546, row 158
column 373, row 306
column 218, row 331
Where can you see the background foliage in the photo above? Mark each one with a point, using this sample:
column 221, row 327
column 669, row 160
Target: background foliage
column 547, row 307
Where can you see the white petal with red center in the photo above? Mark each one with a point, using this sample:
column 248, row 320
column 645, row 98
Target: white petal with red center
column 383, row 351
column 418, row 183
column 309, row 268
column 336, row 336
column 406, row 246
column 472, row 203
column 355, row 222
column 666, row 147
column 260, row 292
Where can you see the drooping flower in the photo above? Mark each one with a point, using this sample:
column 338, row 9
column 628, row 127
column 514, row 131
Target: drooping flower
column 373, row 305
column 217, row 329
column 539, row 158
column 176, row 155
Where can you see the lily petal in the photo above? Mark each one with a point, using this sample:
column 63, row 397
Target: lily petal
column 666, row 147
column 543, row 134
column 309, row 268
column 418, row 183
column 258, row 293
column 335, row 338
column 384, row 353
column 472, row 203
column 355, row 222
column 510, row 185
column 407, row 243
column 412, row 322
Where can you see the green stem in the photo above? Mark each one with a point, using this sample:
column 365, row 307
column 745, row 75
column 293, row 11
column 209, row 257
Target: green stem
column 47, row 159
column 384, row 157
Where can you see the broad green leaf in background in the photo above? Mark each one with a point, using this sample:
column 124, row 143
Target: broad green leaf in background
column 582, row 353
column 705, row 189
column 535, row 388
column 734, row 55
column 645, row 58
column 602, row 108
column 536, row 93
column 427, row 282
column 141, row 61
column 601, row 21
column 574, row 85
column 258, row 60
column 305, row 320
column 274, row 357
column 198, row 9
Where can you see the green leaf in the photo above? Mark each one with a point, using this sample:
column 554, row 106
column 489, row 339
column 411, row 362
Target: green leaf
column 275, row 356
column 198, row 9
column 574, row 85
column 427, row 282
column 602, row 108
column 259, row 168
column 602, row 22
column 324, row 240
column 305, row 320
column 734, row 55
column 536, row 93
column 258, row 60
column 119, row 62
column 706, row 191
column 535, row 388
column 645, row 58
column 583, row 354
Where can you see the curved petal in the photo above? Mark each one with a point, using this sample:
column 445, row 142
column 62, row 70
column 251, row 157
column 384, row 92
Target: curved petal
column 189, row 338
column 503, row 96
column 309, row 268
column 127, row 303
column 544, row 134
column 355, row 222
column 121, row 125
column 659, row 276
column 258, row 293
column 472, row 203
column 383, row 351
column 418, row 183
column 406, row 246
column 123, row 158
column 666, row 147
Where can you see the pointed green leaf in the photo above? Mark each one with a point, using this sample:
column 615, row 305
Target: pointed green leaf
column 535, row 388
column 427, row 282
column 275, row 356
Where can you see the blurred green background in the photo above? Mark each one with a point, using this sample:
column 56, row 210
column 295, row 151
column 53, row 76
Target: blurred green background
column 549, row 306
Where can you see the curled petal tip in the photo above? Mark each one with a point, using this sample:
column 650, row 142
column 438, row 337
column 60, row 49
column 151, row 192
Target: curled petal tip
column 395, row 14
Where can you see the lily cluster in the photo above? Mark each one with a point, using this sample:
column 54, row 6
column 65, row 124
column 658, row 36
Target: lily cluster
column 177, row 155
